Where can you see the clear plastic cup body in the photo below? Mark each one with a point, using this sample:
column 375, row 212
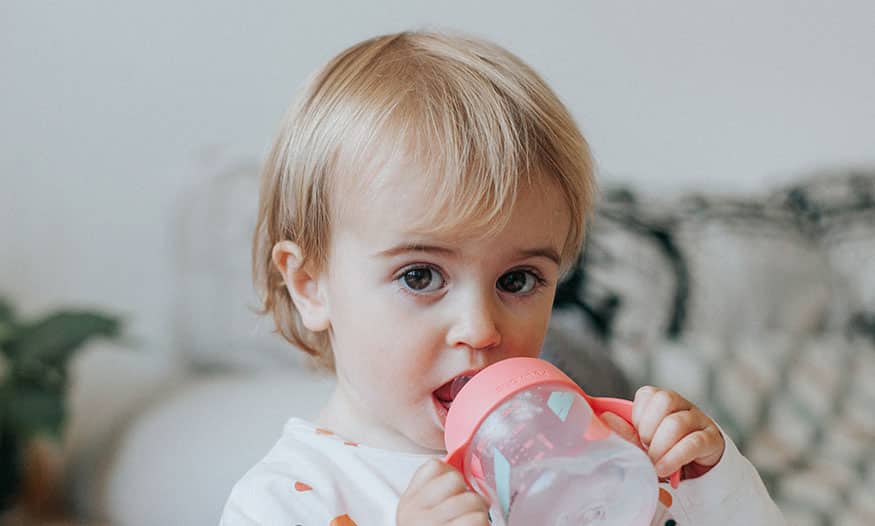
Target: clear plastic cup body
column 540, row 458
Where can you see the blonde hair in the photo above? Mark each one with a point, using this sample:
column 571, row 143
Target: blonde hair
column 478, row 121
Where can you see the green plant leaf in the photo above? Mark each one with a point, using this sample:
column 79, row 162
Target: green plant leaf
column 34, row 357
column 23, row 414
column 53, row 340
column 10, row 464
column 30, row 410
column 7, row 333
column 7, row 325
column 7, row 313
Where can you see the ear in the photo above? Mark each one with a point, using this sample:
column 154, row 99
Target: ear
column 303, row 285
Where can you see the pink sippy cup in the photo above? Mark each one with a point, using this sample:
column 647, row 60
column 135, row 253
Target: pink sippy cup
column 530, row 441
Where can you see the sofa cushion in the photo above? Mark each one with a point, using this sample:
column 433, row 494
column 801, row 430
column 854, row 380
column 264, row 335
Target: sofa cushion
column 179, row 460
column 838, row 211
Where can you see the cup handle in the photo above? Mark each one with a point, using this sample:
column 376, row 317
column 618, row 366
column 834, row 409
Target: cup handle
column 623, row 408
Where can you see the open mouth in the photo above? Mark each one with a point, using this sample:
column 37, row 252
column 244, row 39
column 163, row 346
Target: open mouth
column 446, row 393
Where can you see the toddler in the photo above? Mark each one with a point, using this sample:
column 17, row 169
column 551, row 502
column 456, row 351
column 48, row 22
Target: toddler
column 423, row 199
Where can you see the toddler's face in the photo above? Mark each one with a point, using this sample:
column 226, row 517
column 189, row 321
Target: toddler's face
column 410, row 312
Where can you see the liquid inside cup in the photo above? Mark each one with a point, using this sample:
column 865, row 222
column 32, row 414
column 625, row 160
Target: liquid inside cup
column 537, row 460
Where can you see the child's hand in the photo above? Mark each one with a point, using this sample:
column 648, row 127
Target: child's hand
column 673, row 432
column 438, row 495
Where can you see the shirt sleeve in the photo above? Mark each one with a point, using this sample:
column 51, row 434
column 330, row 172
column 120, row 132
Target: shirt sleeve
column 730, row 493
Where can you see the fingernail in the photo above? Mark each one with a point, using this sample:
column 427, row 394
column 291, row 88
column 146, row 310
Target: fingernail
column 660, row 470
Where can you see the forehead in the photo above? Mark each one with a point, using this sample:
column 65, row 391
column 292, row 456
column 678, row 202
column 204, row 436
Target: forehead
column 400, row 199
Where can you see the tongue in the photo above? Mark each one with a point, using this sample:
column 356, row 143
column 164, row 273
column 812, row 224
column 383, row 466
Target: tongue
column 449, row 390
column 457, row 385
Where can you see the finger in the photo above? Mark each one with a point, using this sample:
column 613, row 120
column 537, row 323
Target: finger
column 471, row 519
column 687, row 450
column 642, row 396
column 438, row 490
column 459, row 506
column 620, row 426
column 671, row 430
column 659, row 405
column 716, row 446
column 425, row 473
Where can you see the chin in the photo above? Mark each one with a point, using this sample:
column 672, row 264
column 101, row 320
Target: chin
column 435, row 443
column 431, row 438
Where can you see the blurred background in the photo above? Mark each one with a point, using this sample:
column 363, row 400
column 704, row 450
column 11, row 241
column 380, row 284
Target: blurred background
column 130, row 139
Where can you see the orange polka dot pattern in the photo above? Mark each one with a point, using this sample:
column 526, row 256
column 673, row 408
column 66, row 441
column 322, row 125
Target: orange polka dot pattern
column 342, row 520
column 665, row 498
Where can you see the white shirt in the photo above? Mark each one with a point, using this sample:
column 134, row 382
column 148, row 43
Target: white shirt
column 312, row 477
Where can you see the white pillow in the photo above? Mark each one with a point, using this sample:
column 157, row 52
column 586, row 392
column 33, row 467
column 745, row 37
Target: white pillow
column 178, row 461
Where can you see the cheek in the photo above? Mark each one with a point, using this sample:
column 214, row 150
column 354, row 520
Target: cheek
column 530, row 327
column 380, row 332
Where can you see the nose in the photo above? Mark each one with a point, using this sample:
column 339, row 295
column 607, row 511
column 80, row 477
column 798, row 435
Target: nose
column 475, row 322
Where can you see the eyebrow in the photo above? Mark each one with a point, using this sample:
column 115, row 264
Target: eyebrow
column 544, row 252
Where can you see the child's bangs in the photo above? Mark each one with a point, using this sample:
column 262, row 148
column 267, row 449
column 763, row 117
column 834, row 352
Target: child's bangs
column 465, row 140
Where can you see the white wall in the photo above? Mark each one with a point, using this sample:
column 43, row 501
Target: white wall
column 108, row 110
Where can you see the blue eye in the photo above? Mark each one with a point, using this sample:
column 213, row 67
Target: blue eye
column 519, row 282
column 422, row 279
